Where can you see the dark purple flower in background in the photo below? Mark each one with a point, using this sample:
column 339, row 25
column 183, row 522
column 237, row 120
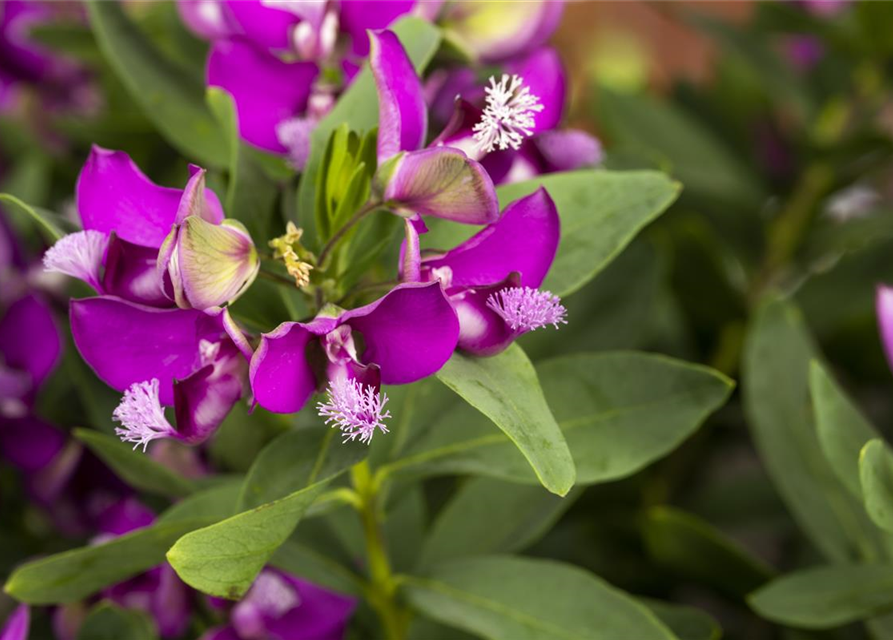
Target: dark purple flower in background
column 25, row 64
column 884, row 308
column 492, row 279
column 279, row 606
column 404, row 336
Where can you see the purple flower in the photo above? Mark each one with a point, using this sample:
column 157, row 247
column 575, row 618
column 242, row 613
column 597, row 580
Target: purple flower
column 884, row 308
column 439, row 182
column 282, row 61
column 279, row 606
column 492, row 278
column 192, row 360
column 126, row 218
column 17, row 625
column 404, row 336
column 510, row 126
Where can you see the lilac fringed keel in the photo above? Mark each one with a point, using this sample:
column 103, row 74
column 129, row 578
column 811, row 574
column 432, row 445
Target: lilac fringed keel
column 141, row 415
column 526, row 309
column 508, row 117
column 79, row 255
column 355, row 408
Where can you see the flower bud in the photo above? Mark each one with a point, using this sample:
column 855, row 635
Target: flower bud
column 207, row 265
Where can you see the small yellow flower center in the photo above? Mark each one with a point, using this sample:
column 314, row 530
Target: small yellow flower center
column 288, row 249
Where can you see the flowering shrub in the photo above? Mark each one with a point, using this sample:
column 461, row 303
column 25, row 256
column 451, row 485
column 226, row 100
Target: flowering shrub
column 320, row 320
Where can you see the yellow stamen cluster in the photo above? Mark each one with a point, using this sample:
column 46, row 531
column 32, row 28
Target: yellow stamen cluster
column 286, row 248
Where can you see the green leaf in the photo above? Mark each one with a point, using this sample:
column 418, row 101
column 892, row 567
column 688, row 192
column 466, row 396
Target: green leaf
column 694, row 154
column 505, row 598
column 505, row 389
column 777, row 354
column 692, row 548
column 618, row 411
column 108, row 621
column 251, row 193
column 876, row 482
column 169, row 96
column 488, row 516
column 225, row 558
column 73, row 575
column 134, row 467
column 306, row 562
column 825, row 597
column 841, row 428
column 601, row 212
column 50, row 228
column 687, row 623
column 358, row 107
column 290, row 462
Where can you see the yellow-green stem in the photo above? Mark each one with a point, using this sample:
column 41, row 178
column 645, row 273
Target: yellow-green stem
column 382, row 587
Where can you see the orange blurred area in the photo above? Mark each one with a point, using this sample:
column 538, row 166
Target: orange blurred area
column 633, row 44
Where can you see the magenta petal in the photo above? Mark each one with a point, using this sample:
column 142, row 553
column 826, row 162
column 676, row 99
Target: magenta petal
column 321, row 615
column 568, row 149
column 281, row 377
column 445, row 183
column 203, row 400
column 207, row 19
column 29, row 338
column 125, row 342
column 17, row 625
column 358, row 16
column 171, row 606
column 884, row 306
column 114, row 195
column 266, row 90
column 130, row 273
column 482, row 331
column 125, row 516
column 402, row 114
column 524, row 239
column 263, row 25
column 409, row 333
column 544, row 74
column 220, row 633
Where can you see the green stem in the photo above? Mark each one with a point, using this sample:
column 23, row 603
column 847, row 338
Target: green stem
column 382, row 588
column 359, row 215
column 275, row 277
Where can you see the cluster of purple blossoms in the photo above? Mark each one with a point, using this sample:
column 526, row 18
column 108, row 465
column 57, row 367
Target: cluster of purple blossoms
column 166, row 264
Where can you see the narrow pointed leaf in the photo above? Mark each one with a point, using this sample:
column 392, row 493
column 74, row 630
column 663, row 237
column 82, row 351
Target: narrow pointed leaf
column 876, row 481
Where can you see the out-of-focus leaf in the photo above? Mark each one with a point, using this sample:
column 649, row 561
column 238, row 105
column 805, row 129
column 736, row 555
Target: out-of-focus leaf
column 505, row 389
column 306, row 562
column 692, row 154
column 68, row 38
column 876, row 482
column 618, row 411
column 687, row 623
column 506, row 598
column 134, row 467
column 825, row 597
column 777, row 354
column 51, row 226
column 601, row 212
column 76, row 574
column 168, row 95
column 692, row 548
column 841, row 428
column 292, row 461
column 488, row 516
column 225, row 558
column 358, row 108
column 108, row 621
